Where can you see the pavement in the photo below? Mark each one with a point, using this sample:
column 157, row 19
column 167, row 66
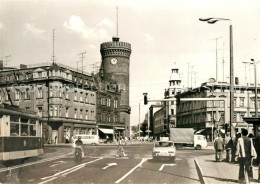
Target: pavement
column 223, row 172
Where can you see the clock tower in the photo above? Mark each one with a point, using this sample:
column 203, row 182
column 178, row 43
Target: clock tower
column 115, row 67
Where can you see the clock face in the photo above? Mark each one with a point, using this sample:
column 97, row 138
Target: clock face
column 113, row 61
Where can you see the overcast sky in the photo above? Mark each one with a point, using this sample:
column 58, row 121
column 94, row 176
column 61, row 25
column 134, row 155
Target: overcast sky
column 160, row 32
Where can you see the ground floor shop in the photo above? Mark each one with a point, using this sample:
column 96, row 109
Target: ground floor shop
column 62, row 132
column 109, row 133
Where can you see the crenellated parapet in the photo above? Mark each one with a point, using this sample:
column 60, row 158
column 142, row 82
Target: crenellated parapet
column 115, row 48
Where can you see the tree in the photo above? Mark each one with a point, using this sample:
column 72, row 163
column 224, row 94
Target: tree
column 143, row 127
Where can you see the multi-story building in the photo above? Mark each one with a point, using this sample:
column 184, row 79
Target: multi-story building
column 64, row 97
column 174, row 89
column 115, row 68
column 208, row 117
column 167, row 113
column 108, row 114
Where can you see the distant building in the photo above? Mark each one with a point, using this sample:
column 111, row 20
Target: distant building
column 62, row 96
column 205, row 116
column 165, row 117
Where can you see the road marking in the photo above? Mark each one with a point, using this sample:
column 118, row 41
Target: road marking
column 142, row 161
column 67, row 171
column 109, row 165
column 121, row 158
column 178, row 159
column 163, row 165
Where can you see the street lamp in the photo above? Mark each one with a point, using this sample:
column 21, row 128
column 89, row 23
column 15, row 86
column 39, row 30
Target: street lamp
column 256, row 108
column 212, row 21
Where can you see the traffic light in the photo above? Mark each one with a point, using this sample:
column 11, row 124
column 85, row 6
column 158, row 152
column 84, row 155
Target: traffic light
column 145, row 98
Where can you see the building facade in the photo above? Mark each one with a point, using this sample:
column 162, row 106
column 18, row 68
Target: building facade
column 115, row 67
column 210, row 117
column 63, row 97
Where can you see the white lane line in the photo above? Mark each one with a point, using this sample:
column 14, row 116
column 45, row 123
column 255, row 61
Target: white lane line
column 163, row 165
column 67, row 171
column 143, row 160
column 109, row 165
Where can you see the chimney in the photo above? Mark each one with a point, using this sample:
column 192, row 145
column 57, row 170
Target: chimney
column 1, row 64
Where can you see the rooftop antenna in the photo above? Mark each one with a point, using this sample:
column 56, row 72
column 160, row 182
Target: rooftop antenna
column 53, row 56
column 117, row 21
column 82, row 58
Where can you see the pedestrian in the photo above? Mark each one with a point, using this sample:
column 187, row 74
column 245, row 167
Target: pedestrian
column 120, row 150
column 243, row 156
column 257, row 149
column 219, row 146
column 250, row 174
column 228, row 147
column 234, row 140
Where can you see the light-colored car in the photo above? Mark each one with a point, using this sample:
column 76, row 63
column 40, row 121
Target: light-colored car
column 164, row 149
column 87, row 139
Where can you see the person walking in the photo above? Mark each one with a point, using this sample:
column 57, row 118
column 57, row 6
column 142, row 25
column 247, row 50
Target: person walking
column 120, row 150
column 228, row 147
column 257, row 149
column 251, row 174
column 243, row 156
column 219, row 146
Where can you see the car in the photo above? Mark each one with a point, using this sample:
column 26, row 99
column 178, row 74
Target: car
column 164, row 150
column 87, row 139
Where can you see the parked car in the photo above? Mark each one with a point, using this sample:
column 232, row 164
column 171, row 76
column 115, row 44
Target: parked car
column 164, row 149
column 87, row 139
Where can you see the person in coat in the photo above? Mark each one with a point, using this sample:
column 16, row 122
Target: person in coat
column 219, row 147
column 243, row 156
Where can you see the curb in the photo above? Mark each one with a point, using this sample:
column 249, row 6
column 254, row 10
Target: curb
column 200, row 172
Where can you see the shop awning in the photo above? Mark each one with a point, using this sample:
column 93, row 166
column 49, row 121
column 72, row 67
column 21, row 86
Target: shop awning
column 106, row 131
column 119, row 128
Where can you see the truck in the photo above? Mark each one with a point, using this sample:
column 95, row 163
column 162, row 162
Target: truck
column 185, row 137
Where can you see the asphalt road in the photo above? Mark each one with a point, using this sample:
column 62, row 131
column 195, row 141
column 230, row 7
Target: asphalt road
column 102, row 166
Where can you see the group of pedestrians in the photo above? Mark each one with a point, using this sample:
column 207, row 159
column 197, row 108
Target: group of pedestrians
column 243, row 148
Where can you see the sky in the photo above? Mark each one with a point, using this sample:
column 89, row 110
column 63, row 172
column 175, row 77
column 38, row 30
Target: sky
column 161, row 32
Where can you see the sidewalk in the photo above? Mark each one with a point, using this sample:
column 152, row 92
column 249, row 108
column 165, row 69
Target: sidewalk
column 220, row 172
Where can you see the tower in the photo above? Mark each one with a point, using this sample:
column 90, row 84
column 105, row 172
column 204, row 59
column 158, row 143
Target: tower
column 115, row 68
column 174, row 89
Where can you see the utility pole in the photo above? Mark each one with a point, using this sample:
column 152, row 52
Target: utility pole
column 53, row 56
column 223, row 62
column 191, row 74
column 217, row 57
column 188, row 74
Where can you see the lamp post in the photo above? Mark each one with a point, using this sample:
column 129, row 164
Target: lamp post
column 212, row 21
column 256, row 107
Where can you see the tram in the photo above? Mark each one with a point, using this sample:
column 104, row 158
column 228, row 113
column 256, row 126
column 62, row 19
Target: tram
column 20, row 134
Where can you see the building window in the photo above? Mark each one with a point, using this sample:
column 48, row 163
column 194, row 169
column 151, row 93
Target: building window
column 81, row 97
column 66, row 94
column 55, row 111
column 39, row 74
column 86, row 100
column 51, row 91
column 26, row 76
column 115, row 103
column 108, row 102
column 75, row 113
column 241, row 102
column 81, row 115
column 50, row 111
column 172, row 111
column 17, row 94
column 40, row 111
column 39, row 92
column 27, row 93
column 108, row 118
column 75, row 96
column 172, row 102
column 86, row 114
column 67, row 112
